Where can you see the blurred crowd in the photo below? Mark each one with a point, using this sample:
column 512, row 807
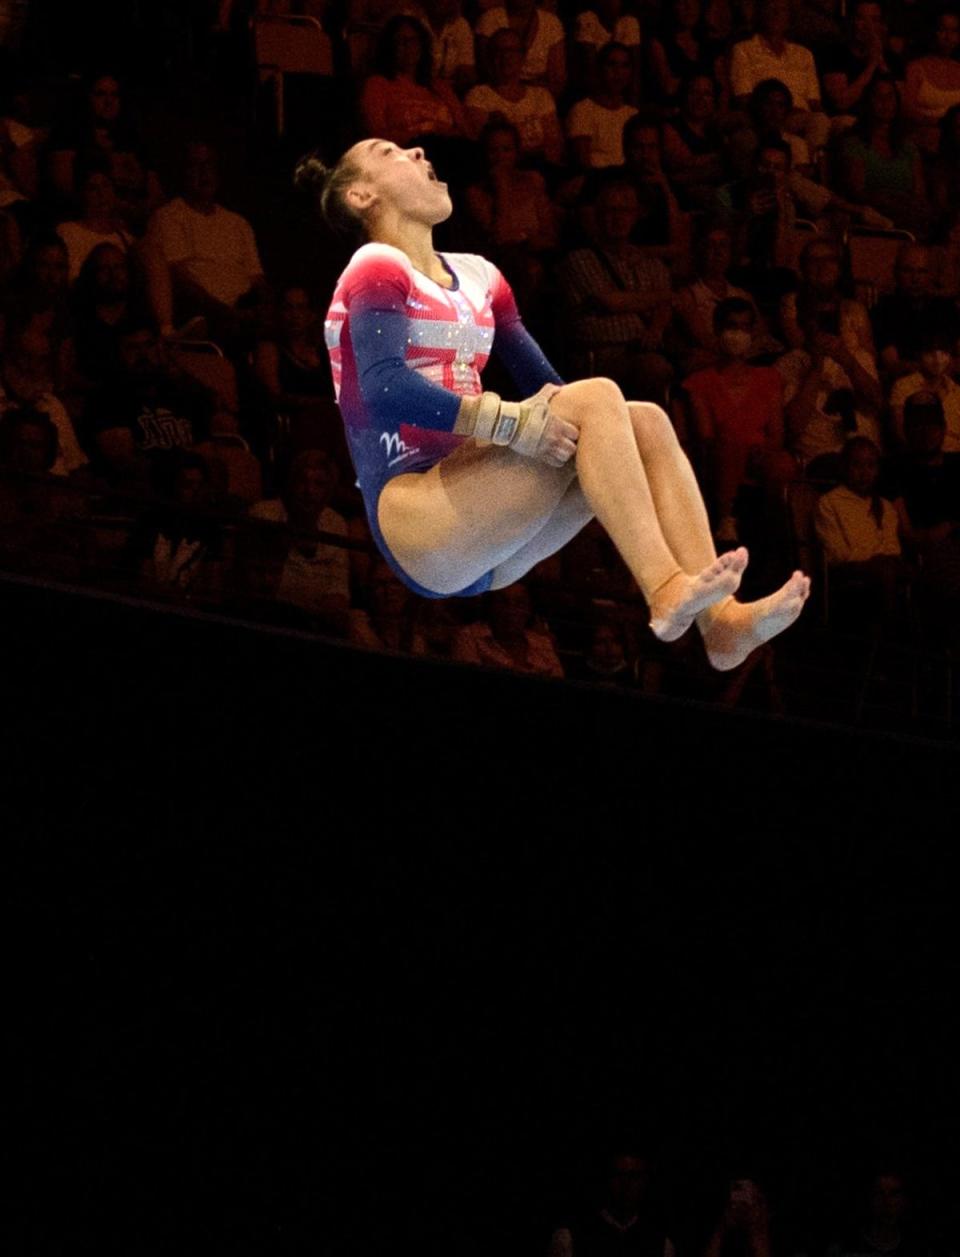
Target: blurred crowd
column 746, row 210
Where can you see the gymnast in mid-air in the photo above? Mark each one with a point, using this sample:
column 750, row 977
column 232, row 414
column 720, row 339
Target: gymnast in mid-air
column 466, row 491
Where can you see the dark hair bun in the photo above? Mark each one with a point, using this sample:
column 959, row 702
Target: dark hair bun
column 310, row 174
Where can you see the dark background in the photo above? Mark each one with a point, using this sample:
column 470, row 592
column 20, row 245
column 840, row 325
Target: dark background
column 318, row 951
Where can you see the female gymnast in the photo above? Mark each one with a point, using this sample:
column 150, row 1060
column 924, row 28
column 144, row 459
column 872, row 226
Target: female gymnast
column 466, row 492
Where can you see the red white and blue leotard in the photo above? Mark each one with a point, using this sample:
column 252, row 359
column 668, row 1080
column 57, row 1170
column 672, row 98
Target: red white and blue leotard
column 404, row 350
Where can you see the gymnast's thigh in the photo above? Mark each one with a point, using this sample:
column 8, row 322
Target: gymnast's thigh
column 450, row 525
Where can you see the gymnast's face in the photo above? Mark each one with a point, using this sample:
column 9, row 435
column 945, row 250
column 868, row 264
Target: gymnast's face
column 399, row 181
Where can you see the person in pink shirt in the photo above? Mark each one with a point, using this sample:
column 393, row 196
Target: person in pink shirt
column 403, row 101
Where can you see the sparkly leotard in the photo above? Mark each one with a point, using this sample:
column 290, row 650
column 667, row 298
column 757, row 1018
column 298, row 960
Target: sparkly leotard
column 404, row 350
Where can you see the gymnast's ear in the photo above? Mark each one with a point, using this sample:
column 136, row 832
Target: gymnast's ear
column 360, row 196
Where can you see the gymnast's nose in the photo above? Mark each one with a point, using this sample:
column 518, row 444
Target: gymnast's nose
column 416, row 153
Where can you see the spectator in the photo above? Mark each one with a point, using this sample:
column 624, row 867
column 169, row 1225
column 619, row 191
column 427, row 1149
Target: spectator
column 831, row 393
column 28, row 379
column 509, row 637
column 769, row 107
column 105, row 294
column 292, row 366
column 924, row 483
column 201, row 257
column 933, row 80
column 391, row 621
column 513, row 213
column 147, row 410
column 934, row 376
column 945, row 256
column 624, row 1219
column 593, row 29
column 744, row 1223
column 764, row 211
column 102, row 130
column 595, row 125
column 945, row 168
column 608, row 659
column 737, row 412
column 884, row 1222
column 901, row 318
column 878, row 165
column 21, row 141
column 821, row 294
column 530, row 109
column 316, row 574
column 620, row 300
column 692, row 146
column 36, row 301
column 663, row 229
column 453, row 51
column 695, row 304
column 769, row 54
column 542, row 42
column 402, row 101
column 261, row 554
column 177, row 546
column 858, row 534
column 28, row 442
column 848, row 69
column 679, row 52
column 99, row 222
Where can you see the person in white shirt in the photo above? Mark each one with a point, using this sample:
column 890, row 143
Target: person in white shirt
column 100, row 221
column 201, row 257
column 934, row 376
column 770, row 55
column 595, row 125
column 453, row 52
column 543, row 40
column 593, row 29
column 532, row 110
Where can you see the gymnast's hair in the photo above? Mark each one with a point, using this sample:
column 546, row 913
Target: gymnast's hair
column 328, row 184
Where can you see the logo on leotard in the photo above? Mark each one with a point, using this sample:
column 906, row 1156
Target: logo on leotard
column 396, row 448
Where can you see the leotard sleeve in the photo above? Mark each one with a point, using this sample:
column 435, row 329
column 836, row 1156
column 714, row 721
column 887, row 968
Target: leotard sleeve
column 527, row 363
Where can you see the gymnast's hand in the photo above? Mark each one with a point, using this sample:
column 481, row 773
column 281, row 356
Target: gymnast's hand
column 557, row 443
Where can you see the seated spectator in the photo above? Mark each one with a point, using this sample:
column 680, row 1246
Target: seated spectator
column 28, row 379
column 763, row 211
column 147, row 409
column 452, row 38
column 848, row 68
column 934, row 376
column 769, row 107
column 11, row 246
column 260, row 557
column 512, row 212
column 695, row 304
column 901, row 318
column 884, row 1220
column 945, row 167
column 593, row 29
column 878, row 165
column 831, row 392
column 923, row 482
column 99, row 221
column 102, row 130
column 608, row 659
column 402, row 101
column 36, row 301
column 933, row 80
column 390, row 623
column 177, row 546
column 595, row 125
column 201, row 258
column 21, row 140
column 820, row 293
column 770, row 55
column 678, row 52
column 292, row 366
column 316, row 574
column 692, row 146
column 858, row 532
column 624, row 1216
column 945, row 256
column 28, row 442
column 106, row 293
column 744, row 1223
column 542, row 42
column 620, row 300
column 530, row 109
column 738, row 417
column 509, row 637
column 663, row 229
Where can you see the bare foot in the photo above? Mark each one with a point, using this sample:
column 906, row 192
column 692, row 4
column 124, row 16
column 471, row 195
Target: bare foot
column 741, row 627
column 677, row 603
